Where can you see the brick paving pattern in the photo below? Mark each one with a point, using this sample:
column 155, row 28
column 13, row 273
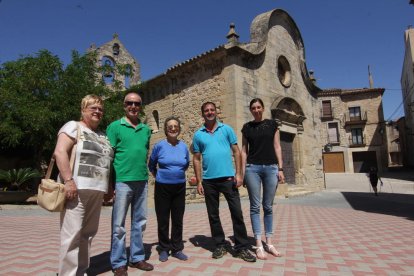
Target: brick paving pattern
column 314, row 240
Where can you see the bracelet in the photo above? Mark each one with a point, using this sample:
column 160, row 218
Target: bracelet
column 67, row 180
column 280, row 169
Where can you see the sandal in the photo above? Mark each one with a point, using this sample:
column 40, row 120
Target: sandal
column 260, row 254
column 272, row 250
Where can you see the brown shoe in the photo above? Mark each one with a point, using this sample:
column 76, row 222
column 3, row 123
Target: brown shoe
column 143, row 265
column 121, row 271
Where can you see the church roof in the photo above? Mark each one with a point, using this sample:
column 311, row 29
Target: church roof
column 344, row 92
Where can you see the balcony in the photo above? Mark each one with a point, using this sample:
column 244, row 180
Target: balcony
column 355, row 120
column 333, row 141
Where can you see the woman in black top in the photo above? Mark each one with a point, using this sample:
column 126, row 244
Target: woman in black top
column 263, row 167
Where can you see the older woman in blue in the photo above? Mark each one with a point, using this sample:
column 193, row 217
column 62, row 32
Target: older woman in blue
column 263, row 168
column 168, row 162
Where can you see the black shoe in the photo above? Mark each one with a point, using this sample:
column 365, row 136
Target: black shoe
column 245, row 255
column 219, row 252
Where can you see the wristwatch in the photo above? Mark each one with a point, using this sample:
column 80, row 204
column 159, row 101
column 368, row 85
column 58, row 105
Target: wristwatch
column 68, row 180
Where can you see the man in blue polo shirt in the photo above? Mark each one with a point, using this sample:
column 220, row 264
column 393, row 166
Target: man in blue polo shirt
column 216, row 142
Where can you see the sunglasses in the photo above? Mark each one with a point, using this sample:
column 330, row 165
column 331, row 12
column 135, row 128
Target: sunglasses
column 130, row 103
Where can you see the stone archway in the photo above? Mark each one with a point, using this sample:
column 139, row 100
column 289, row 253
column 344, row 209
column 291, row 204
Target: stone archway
column 289, row 115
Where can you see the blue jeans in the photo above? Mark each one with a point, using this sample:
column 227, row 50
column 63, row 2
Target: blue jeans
column 255, row 177
column 132, row 193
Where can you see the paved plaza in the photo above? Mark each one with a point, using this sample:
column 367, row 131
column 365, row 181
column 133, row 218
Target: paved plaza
column 326, row 233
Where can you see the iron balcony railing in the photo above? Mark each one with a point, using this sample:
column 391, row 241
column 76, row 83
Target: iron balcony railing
column 351, row 119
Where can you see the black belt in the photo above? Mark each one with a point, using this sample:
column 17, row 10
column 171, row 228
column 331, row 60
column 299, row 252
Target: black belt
column 221, row 179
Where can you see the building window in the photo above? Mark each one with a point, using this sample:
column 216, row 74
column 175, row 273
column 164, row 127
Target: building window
column 333, row 133
column 115, row 49
column 155, row 122
column 284, row 71
column 128, row 74
column 357, row 137
column 326, row 109
column 355, row 113
column 108, row 70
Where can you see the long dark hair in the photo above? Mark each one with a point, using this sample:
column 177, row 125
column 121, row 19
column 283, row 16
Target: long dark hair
column 255, row 100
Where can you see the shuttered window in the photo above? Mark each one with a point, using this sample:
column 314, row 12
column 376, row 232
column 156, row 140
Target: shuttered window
column 333, row 134
column 326, row 109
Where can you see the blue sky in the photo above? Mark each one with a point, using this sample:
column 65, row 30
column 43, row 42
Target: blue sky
column 341, row 37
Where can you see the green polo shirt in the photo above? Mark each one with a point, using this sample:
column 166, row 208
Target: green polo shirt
column 131, row 149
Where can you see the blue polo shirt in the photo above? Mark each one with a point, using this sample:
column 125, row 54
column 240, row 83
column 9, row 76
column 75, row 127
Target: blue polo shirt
column 216, row 151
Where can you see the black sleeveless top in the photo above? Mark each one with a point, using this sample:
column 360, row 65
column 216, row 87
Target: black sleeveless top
column 260, row 136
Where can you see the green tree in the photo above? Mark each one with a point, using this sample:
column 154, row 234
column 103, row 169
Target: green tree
column 38, row 96
column 26, row 86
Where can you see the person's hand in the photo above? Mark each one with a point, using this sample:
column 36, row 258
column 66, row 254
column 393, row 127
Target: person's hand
column 239, row 181
column 71, row 192
column 108, row 196
column 281, row 177
column 200, row 189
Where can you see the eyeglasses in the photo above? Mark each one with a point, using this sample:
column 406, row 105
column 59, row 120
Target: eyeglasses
column 171, row 127
column 130, row 103
column 96, row 109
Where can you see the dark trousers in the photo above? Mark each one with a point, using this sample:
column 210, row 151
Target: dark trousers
column 170, row 201
column 212, row 190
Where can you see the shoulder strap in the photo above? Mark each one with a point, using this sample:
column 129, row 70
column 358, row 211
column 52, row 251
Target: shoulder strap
column 72, row 156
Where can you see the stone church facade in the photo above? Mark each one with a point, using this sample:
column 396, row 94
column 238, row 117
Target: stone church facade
column 270, row 66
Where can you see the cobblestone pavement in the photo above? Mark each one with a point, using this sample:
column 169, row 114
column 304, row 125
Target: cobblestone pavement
column 326, row 233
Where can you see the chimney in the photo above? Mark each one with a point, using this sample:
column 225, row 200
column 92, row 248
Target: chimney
column 371, row 81
column 232, row 36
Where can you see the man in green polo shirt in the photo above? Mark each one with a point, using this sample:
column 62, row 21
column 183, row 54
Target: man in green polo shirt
column 130, row 139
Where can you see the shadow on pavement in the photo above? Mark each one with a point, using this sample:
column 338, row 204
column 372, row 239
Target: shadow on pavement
column 101, row 263
column 399, row 174
column 208, row 243
column 401, row 205
column 204, row 242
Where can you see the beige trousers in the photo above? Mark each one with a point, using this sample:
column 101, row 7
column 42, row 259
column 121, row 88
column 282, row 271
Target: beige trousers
column 79, row 223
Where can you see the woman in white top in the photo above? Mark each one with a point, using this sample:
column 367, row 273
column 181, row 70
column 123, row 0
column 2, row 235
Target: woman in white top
column 85, row 184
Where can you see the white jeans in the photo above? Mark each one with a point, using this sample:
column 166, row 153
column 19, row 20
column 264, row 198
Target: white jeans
column 79, row 223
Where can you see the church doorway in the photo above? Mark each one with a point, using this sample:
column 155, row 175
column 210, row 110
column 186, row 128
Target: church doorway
column 286, row 142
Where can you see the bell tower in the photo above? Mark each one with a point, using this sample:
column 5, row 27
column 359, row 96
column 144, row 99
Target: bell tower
column 119, row 66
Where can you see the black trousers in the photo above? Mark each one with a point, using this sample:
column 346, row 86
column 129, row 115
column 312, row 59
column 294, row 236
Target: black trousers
column 170, row 202
column 212, row 190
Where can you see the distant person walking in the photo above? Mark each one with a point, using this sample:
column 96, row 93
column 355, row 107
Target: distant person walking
column 373, row 179
column 215, row 142
column 263, row 169
column 168, row 162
